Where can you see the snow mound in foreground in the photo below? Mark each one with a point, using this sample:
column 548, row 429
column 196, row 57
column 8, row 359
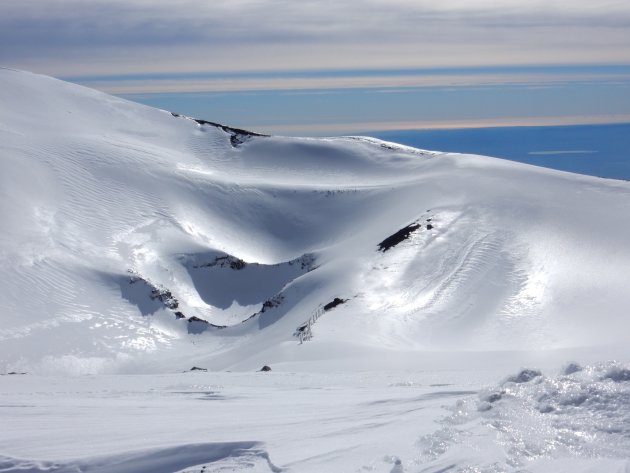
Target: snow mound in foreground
column 576, row 421
column 139, row 240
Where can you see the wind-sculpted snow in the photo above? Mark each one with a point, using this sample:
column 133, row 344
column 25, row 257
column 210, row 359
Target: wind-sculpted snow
column 235, row 240
column 207, row 458
column 576, row 421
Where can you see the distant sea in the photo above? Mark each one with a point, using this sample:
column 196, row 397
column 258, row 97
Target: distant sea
column 597, row 150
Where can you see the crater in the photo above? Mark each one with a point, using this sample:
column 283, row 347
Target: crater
column 222, row 280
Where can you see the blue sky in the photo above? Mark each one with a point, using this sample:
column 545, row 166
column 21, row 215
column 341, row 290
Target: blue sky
column 334, row 67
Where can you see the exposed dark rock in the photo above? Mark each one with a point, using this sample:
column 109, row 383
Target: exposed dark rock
column 161, row 296
column 179, row 315
column 334, row 303
column 12, row 373
column 196, row 368
column 271, row 303
column 165, row 296
column 429, row 226
column 238, row 136
column 228, row 129
column 265, row 368
column 398, row 237
column 157, row 292
column 307, row 262
column 226, row 261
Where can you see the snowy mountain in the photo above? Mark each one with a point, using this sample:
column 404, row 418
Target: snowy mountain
column 135, row 239
column 396, row 293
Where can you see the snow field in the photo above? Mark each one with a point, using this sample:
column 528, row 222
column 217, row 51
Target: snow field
column 571, row 419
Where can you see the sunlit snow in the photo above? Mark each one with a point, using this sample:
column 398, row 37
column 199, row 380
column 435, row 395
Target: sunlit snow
column 490, row 335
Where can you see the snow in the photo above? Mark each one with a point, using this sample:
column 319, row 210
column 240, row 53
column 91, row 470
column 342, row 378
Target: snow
column 309, row 422
column 566, row 422
column 136, row 244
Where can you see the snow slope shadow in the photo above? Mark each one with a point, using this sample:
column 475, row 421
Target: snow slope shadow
column 210, row 456
column 222, row 280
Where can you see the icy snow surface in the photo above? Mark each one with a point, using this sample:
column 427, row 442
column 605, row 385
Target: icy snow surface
column 137, row 243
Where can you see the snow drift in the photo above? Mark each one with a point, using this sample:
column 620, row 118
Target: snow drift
column 135, row 239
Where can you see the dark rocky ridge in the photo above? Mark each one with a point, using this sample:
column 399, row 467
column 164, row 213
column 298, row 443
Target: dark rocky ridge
column 238, row 136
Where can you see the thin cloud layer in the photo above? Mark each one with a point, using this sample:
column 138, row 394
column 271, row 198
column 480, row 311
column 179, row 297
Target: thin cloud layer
column 376, row 126
column 100, row 37
column 363, row 81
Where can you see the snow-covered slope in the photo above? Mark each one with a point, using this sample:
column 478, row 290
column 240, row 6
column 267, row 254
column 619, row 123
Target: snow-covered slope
column 391, row 289
column 134, row 239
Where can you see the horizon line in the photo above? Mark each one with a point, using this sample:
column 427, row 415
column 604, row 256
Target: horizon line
column 366, row 128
